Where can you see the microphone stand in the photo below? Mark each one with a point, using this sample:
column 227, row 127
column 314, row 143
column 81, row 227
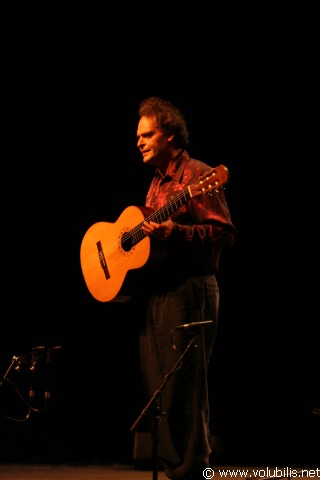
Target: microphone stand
column 157, row 413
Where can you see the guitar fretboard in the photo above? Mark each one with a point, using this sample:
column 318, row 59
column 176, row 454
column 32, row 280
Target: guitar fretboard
column 137, row 234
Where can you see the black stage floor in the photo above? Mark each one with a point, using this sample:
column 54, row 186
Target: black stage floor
column 16, row 471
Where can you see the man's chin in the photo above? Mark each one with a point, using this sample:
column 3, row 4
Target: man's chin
column 148, row 160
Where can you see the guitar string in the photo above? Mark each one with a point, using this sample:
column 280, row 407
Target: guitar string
column 113, row 251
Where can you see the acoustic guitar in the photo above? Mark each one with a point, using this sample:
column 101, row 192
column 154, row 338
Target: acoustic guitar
column 109, row 251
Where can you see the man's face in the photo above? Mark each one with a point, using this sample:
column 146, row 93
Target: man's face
column 152, row 143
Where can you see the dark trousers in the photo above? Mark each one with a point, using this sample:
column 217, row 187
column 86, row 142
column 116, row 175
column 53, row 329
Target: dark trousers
column 183, row 437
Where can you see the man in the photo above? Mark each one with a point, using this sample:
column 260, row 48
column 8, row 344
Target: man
column 183, row 289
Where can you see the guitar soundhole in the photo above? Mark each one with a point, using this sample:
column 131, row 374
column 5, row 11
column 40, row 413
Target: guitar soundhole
column 126, row 242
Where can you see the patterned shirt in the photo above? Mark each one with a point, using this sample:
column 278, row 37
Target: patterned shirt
column 202, row 224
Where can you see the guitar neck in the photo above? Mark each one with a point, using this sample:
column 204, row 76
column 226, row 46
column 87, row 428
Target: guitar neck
column 160, row 215
column 211, row 180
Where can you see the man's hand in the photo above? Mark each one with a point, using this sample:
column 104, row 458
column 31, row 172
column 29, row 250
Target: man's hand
column 158, row 231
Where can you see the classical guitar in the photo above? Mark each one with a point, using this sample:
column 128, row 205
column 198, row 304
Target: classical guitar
column 110, row 250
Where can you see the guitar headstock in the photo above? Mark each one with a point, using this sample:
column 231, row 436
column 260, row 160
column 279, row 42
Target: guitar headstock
column 213, row 180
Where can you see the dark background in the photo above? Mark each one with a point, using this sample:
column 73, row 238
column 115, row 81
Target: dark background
column 73, row 78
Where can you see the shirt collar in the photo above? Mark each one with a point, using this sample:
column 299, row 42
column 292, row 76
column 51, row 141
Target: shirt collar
column 176, row 167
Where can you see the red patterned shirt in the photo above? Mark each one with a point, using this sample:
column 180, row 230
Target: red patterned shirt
column 202, row 225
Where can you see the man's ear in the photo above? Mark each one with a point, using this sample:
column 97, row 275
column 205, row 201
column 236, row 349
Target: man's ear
column 171, row 138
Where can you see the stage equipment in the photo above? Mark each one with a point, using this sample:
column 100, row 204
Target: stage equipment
column 29, row 378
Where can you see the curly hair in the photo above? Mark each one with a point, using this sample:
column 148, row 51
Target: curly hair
column 169, row 119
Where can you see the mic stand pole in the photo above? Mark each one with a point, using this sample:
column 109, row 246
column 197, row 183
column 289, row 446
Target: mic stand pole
column 16, row 360
column 157, row 413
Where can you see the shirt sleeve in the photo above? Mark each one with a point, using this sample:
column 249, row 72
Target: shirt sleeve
column 210, row 221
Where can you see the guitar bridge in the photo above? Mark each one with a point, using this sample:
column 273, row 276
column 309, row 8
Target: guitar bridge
column 102, row 260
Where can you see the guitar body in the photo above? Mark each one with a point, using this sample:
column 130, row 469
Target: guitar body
column 105, row 261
